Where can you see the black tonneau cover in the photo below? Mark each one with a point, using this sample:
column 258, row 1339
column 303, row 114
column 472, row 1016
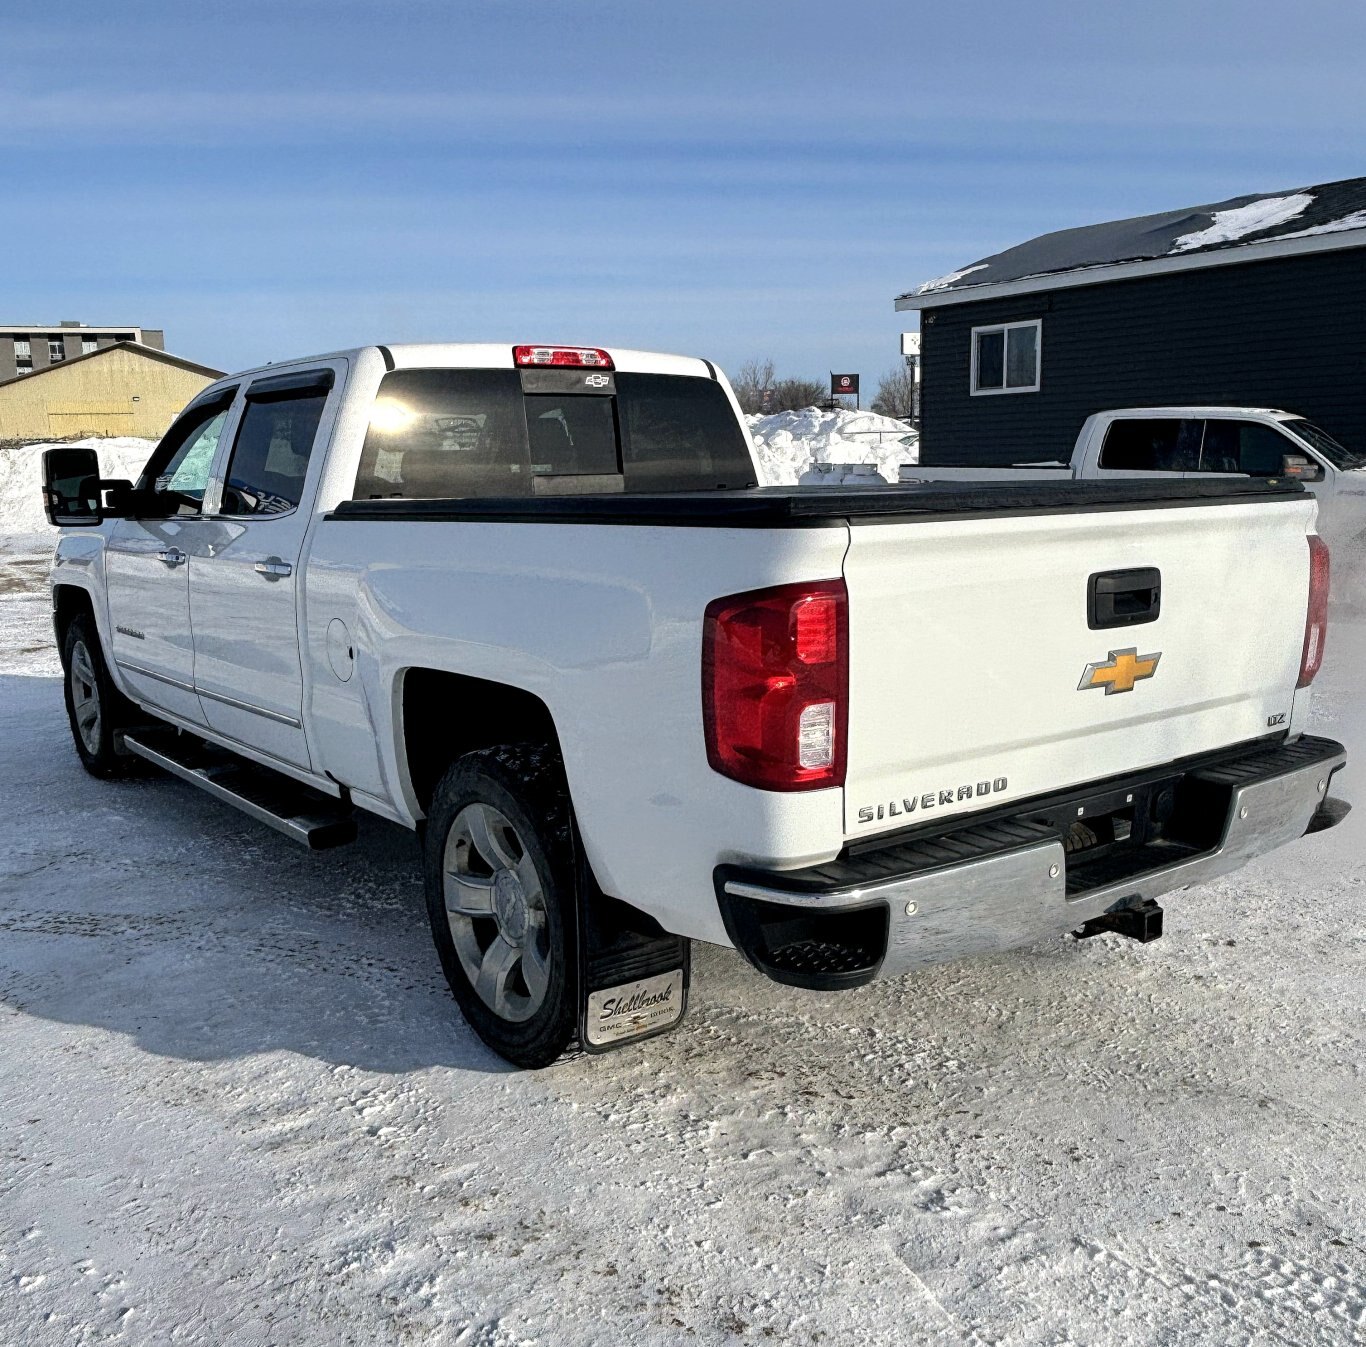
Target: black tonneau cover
column 790, row 506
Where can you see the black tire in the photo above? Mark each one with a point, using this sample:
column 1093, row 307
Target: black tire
column 94, row 706
column 513, row 969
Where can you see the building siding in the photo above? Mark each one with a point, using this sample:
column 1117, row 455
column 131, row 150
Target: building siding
column 1287, row 332
column 118, row 392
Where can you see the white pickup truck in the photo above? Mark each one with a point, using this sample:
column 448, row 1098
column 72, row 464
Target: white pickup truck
column 1186, row 442
column 530, row 603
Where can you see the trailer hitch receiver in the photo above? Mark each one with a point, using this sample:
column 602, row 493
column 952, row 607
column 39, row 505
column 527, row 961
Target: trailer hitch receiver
column 1141, row 922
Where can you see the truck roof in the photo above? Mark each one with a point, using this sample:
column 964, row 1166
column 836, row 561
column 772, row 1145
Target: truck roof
column 1190, row 409
column 488, row 355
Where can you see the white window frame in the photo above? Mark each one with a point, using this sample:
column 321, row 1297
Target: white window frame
column 1005, row 329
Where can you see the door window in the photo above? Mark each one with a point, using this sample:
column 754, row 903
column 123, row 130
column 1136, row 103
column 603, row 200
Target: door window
column 270, row 458
column 178, row 472
column 1152, row 444
column 1244, row 447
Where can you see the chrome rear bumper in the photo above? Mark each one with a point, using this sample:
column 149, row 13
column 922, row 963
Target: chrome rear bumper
column 1012, row 887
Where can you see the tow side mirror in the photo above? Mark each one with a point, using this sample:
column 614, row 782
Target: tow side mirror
column 1300, row 467
column 71, row 487
column 76, row 496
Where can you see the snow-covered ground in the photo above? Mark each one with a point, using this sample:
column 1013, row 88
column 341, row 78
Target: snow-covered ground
column 788, row 443
column 238, row 1106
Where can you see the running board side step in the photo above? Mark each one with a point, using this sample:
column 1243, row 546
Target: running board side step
column 302, row 814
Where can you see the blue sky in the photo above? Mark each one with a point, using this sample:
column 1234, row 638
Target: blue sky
column 728, row 179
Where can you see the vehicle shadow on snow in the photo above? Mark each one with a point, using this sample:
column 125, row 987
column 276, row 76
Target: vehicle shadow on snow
column 148, row 909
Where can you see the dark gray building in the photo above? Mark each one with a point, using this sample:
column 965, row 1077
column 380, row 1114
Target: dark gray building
column 25, row 348
column 1256, row 301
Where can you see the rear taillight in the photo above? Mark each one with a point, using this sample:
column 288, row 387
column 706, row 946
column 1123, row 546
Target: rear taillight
column 1316, row 619
column 775, row 686
column 561, row 355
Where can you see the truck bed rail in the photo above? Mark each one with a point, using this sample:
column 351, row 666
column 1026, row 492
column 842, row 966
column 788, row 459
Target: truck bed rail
column 796, row 507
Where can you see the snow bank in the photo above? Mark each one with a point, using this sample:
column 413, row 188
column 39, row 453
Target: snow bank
column 22, row 524
column 789, row 443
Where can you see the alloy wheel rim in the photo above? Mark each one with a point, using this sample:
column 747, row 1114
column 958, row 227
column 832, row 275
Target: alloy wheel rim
column 85, row 698
column 496, row 911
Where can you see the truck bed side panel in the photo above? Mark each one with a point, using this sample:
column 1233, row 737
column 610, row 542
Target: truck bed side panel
column 604, row 625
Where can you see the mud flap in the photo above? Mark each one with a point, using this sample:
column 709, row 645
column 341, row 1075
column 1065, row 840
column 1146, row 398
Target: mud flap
column 633, row 977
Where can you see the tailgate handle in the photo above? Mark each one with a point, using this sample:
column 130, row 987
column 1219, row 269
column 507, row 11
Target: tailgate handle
column 1123, row 598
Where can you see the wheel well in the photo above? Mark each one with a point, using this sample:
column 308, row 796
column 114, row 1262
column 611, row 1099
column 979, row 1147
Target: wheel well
column 447, row 715
column 69, row 602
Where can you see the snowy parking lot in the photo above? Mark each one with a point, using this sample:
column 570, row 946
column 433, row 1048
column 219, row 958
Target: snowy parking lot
column 238, row 1106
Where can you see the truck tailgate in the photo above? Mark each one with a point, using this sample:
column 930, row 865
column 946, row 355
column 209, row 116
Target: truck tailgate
column 969, row 640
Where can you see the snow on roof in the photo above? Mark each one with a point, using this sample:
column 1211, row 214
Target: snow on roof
column 1228, row 226
column 944, row 282
column 1264, row 217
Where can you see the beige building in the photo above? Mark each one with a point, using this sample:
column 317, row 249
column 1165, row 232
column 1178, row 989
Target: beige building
column 124, row 389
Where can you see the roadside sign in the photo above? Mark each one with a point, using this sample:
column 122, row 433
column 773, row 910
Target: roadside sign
column 766, row 399
column 844, row 385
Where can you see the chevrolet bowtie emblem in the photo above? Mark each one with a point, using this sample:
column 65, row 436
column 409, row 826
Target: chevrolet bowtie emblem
column 1120, row 672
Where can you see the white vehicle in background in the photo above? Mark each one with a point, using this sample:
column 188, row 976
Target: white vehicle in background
column 1191, row 442
column 530, row 603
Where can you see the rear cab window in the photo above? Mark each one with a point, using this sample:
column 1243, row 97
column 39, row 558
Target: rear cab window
column 453, row 433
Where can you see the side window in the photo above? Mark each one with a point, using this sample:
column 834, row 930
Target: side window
column 178, row 471
column 1244, row 447
column 1007, row 358
column 270, row 458
column 1152, row 444
column 1220, row 451
column 1263, row 450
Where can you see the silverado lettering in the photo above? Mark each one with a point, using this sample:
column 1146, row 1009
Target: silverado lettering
column 871, row 813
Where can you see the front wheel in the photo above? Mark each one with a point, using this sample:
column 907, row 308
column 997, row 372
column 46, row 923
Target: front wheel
column 498, row 860
column 94, row 706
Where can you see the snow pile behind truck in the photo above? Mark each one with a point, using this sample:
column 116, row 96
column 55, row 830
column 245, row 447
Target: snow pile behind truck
column 790, row 444
column 23, row 525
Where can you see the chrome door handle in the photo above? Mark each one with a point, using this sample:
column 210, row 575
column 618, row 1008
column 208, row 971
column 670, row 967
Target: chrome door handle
column 274, row 568
column 172, row 556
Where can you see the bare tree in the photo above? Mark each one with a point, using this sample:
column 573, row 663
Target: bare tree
column 896, row 394
column 785, row 395
column 791, row 395
column 749, row 383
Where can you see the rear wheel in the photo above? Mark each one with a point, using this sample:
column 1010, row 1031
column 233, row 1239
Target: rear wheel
column 500, row 896
column 94, row 706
